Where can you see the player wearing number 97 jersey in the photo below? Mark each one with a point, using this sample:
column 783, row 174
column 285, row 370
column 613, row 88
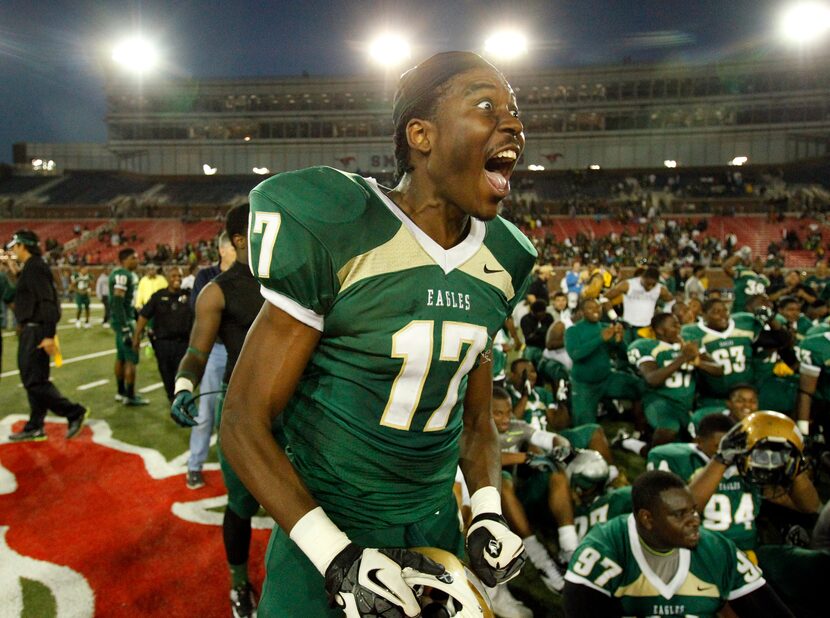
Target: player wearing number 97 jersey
column 728, row 340
column 659, row 562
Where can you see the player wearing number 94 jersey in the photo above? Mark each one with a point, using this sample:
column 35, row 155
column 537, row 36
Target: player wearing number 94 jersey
column 373, row 348
column 658, row 561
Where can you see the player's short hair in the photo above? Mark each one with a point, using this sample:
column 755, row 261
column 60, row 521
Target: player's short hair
column 714, row 423
column 236, row 221
column 647, row 488
column 125, row 253
column 517, row 361
column 659, row 318
column 741, row 386
column 224, row 239
column 711, row 302
column 560, row 294
column 500, row 393
column 585, row 301
column 651, row 273
column 420, row 90
column 538, row 305
column 787, row 300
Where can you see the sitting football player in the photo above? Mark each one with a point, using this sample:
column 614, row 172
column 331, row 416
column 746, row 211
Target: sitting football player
column 520, row 445
column 742, row 401
column 581, row 497
column 658, row 561
column 549, row 412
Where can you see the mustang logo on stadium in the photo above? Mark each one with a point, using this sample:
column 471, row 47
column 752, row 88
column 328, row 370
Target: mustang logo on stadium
column 109, row 528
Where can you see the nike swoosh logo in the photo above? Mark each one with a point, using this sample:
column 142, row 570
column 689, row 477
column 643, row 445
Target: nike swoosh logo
column 487, row 271
column 699, row 589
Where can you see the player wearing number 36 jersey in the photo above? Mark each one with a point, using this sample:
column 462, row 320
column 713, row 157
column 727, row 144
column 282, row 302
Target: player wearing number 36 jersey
column 373, row 351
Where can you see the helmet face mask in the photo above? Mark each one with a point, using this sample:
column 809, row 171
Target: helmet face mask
column 773, row 449
column 458, row 593
column 587, row 473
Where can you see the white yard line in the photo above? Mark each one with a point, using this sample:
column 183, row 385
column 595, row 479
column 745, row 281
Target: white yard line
column 69, row 361
column 86, row 387
column 152, row 387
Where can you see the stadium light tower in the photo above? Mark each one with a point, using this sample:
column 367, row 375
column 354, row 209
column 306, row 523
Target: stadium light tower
column 389, row 50
column 136, row 54
column 804, row 23
column 506, row 45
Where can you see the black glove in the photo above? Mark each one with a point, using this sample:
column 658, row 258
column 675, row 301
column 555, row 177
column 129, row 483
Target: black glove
column 370, row 582
column 764, row 314
column 732, row 445
column 127, row 336
column 496, row 553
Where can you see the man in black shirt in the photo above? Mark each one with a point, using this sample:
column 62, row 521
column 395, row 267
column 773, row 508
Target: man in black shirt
column 535, row 327
column 37, row 311
column 172, row 317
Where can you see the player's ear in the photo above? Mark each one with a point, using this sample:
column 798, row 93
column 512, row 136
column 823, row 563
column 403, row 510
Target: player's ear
column 645, row 518
column 418, row 133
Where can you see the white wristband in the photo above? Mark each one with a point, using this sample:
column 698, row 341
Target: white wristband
column 567, row 538
column 183, row 384
column 804, row 427
column 485, row 500
column 318, row 538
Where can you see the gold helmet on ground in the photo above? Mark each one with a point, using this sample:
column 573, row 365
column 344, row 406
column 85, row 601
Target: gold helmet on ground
column 774, row 447
column 458, row 593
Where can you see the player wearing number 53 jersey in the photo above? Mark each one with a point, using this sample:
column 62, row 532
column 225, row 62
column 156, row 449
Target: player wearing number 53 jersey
column 659, row 562
column 373, row 350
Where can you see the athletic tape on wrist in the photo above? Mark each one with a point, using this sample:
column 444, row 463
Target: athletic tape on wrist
column 485, row 500
column 183, row 384
column 197, row 353
column 568, row 539
column 318, row 538
column 804, row 427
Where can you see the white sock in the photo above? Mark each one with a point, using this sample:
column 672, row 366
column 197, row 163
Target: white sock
column 634, row 445
column 536, row 551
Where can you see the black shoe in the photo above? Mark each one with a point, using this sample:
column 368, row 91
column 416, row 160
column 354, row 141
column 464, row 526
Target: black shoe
column 136, row 400
column 195, row 479
column 36, row 435
column 76, row 424
column 243, row 601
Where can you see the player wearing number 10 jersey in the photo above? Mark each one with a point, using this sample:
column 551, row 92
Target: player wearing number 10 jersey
column 373, row 348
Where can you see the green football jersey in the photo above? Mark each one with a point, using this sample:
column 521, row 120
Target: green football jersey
column 813, row 352
column 680, row 386
column 615, row 501
column 611, row 560
column 732, row 509
column 747, row 283
column 731, row 348
column 499, row 355
column 818, row 329
column 373, row 427
column 126, row 280
column 81, row 283
column 537, row 405
column 802, row 325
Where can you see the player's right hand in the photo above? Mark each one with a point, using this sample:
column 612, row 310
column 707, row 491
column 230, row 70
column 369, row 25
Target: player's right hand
column 370, row 582
column 183, row 409
column 127, row 336
column 732, row 445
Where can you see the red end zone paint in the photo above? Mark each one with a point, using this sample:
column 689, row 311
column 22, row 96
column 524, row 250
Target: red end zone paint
column 97, row 511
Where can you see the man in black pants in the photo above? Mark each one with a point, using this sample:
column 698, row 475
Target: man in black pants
column 227, row 306
column 37, row 311
column 172, row 317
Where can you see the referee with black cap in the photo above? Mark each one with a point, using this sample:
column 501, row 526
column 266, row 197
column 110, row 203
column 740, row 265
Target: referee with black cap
column 37, row 310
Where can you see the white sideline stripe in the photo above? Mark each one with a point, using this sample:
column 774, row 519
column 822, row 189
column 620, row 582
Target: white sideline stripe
column 86, row 387
column 11, row 333
column 69, row 361
column 73, row 305
column 152, row 387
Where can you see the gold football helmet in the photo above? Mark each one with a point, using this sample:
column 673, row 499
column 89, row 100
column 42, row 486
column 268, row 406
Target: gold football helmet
column 774, row 448
column 458, row 593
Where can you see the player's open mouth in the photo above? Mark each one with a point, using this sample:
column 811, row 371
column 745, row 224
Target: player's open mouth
column 499, row 168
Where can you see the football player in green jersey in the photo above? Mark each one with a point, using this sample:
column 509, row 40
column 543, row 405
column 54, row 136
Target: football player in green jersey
column 742, row 401
column 744, row 467
column 521, row 444
column 813, row 352
column 549, row 412
column 80, row 285
column 658, row 561
column 728, row 341
column 373, row 351
column 582, row 497
column 668, row 366
column 122, row 286
column 747, row 275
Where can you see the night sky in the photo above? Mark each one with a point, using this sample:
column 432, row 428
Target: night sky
column 53, row 54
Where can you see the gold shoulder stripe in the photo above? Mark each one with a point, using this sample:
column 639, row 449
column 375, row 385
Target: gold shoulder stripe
column 485, row 267
column 401, row 252
column 640, row 587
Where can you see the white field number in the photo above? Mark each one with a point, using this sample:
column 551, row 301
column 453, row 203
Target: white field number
column 414, row 345
column 585, row 565
column 271, row 222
